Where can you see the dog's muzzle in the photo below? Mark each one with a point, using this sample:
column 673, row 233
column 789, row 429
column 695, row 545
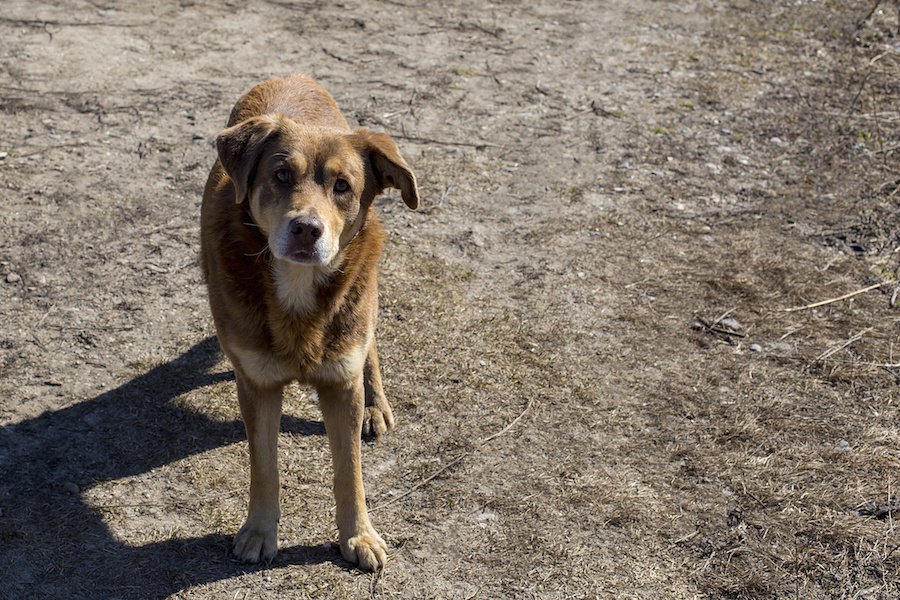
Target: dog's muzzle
column 302, row 242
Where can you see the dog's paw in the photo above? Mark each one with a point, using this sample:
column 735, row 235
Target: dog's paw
column 377, row 420
column 255, row 544
column 368, row 551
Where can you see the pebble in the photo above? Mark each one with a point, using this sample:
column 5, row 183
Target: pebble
column 731, row 323
column 486, row 515
column 781, row 347
column 755, row 348
column 13, row 278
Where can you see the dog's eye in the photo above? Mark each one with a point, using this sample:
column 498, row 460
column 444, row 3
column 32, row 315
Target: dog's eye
column 283, row 176
column 341, row 186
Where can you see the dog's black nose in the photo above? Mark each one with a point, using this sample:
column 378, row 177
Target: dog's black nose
column 307, row 229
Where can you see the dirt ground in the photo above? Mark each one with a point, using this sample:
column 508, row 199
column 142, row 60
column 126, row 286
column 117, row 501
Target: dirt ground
column 599, row 392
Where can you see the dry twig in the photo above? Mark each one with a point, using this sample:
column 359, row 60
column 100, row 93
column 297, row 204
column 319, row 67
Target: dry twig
column 713, row 326
column 453, row 462
column 862, row 22
column 428, row 140
column 836, row 349
column 439, row 202
column 839, row 298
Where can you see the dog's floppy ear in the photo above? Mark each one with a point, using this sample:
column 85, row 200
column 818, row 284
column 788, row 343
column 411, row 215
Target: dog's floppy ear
column 388, row 167
column 240, row 148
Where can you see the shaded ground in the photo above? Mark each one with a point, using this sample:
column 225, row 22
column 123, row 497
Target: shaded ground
column 598, row 390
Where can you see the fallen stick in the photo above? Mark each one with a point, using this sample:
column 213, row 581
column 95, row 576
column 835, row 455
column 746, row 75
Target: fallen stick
column 713, row 326
column 453, row 462
column 839, row 298
column 835, row 349
column 427, row 140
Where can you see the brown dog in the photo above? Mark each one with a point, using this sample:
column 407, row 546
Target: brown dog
column 290, row 252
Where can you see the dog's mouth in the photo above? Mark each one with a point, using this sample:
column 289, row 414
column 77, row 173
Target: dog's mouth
column 304, row 256
column 298, row 252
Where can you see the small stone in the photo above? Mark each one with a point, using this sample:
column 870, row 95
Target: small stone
column 781, row 347
column 842, row 446
column 13, row 278
column 755, row 348
column 486, row 515
column 94, row 418
column 731, row 323
column 3, row 155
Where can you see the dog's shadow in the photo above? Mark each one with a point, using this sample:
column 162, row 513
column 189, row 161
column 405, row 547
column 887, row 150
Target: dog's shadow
column 52, row 544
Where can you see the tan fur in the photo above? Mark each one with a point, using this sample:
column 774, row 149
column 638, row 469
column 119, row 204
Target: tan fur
column 289, row 307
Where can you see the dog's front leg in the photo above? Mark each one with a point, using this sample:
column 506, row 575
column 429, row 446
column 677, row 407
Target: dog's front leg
column 257, row 540
column 342, row 409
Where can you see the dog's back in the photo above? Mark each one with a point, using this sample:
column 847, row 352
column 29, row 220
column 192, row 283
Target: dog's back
column 297, row 97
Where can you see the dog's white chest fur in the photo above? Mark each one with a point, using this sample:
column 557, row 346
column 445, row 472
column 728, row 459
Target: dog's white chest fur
column 295, row 286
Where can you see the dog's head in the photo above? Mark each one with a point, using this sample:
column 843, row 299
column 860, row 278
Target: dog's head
column 309, row 188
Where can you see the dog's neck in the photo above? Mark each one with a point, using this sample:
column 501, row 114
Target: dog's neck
column 297, row 286
column 357, row 226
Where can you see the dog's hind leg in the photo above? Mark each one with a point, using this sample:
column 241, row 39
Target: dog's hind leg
column 378, row 418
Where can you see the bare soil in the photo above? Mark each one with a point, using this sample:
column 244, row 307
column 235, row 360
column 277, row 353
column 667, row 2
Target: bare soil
column 599, row 392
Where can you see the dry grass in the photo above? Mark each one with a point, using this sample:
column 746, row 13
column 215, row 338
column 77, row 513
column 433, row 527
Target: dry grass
column 565, row 429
